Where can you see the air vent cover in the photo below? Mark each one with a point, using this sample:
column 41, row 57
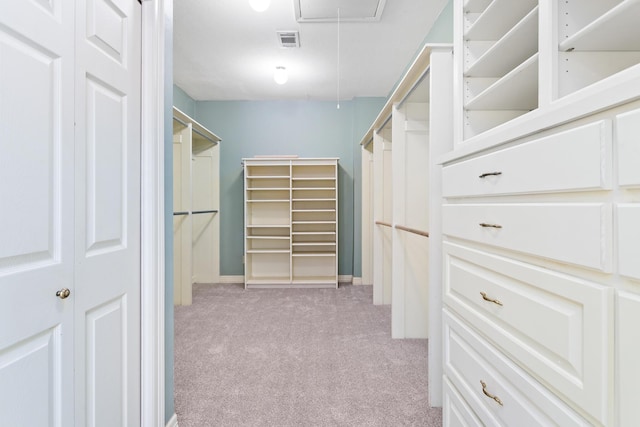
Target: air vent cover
column 288, row 38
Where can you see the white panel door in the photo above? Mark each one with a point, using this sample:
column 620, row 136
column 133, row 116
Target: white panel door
column 70, row 214
column 107, row 210
column 36, row 212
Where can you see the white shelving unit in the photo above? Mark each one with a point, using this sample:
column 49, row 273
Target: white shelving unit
column 291, row 222
column 196, row 204
column 506, row 68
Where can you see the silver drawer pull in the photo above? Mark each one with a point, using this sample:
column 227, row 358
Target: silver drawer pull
column 484, row 175
column 486, row 298
column 484, row 224
column 489, row 395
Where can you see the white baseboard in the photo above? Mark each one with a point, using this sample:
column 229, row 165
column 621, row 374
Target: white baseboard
column 173, row 422
column 232, row 279
column 357, row 281
column 345, row 279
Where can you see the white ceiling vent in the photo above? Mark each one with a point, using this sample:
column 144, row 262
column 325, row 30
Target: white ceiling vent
column 288, row 38
column 327, row 10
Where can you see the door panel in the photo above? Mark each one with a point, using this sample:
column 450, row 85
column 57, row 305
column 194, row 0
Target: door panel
column 36, row 217
column 107, row 274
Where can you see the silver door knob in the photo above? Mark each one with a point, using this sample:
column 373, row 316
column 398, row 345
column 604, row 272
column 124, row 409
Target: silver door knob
column 63, row 293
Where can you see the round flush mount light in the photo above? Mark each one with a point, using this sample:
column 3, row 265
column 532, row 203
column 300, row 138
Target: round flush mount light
column 280, row 75
column 259, row 5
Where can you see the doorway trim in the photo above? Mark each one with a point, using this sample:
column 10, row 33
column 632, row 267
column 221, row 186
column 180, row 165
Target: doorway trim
column 152, row 260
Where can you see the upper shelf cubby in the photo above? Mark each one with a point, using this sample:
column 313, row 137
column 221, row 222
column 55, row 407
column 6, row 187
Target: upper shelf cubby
column 497, row 19
column 596, row 40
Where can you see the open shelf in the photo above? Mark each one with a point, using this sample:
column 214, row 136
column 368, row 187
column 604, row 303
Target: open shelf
column 617, row 29
column 520, row 43
column 518, row 90
column 498, row 18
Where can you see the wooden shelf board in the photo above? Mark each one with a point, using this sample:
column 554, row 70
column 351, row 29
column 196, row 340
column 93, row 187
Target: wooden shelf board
column 314, row 243
column 518, row 90
column 313, row 188
column 268, row 251
column 312, row 233
column 319, row 178
column 616, row 30
column 313, row 222
column 268, row 189
column 498, row 18
column 520, row 43
column 269, row 237
column 313, row 210
column 269, row 201
column 268, row 225
column 313, row 254
column 268, row 177
column 314, row 200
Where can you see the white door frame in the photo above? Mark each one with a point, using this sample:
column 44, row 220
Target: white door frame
column 152, row 212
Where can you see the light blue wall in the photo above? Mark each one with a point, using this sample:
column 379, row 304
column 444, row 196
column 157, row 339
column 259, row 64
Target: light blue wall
column 304, row 128
column 169, row 408
column 184, row 102
column 442, row 29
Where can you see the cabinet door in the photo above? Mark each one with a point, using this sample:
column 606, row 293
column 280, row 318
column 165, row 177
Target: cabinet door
column 627, row 357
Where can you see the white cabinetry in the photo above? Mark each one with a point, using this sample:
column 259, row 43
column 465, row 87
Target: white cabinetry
column 541, row 268
column 291, row 222
column 196, row 199
column 541, row 208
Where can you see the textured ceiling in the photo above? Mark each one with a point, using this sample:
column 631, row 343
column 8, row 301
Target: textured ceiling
column 224, row 50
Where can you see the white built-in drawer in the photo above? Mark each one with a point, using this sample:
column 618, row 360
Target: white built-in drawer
column 557, row 327
column 628, row 144
column 629, row 239
column 577, row 233
column 455, row 411
column 577, row 159
column 497, row 391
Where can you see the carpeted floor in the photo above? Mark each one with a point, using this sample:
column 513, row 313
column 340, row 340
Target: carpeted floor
column 292, row 357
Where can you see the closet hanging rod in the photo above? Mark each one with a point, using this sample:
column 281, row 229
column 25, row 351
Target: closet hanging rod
column 180, row 213
column 204, row 212
column 384, row 123
column 413, row 230
column 414, row 85
column 207, row 137
column 386, row 224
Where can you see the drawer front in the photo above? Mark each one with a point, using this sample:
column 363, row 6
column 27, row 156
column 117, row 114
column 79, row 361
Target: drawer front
column 629, row 239
column 577, row 233
column 627, row 357
column 548, row 164
column 497, row 391
column 557, row 327
column 455, row 411
column 628, row 144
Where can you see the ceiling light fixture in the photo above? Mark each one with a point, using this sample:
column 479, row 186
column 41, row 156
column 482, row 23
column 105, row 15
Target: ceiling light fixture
column 259, row 5
column 280, row 75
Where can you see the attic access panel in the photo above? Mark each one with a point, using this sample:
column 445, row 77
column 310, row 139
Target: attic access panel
column 327, row 10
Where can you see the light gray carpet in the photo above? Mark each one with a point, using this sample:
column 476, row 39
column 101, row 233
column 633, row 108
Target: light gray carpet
column 296, row 357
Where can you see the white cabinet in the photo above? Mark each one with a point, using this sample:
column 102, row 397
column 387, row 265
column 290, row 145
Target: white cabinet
column 196, row 199
column 541, row 267
column 291, row 222
column 540, row 203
